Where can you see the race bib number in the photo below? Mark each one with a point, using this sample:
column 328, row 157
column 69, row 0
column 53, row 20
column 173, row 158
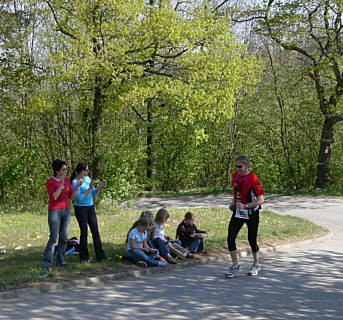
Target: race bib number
column 242, row 214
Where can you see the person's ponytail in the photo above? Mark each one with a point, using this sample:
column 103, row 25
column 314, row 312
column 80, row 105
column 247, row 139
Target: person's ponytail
column 80, row 166
column 141, row 222
column 73, row 175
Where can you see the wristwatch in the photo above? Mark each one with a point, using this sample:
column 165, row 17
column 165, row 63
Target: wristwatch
column 246, row 206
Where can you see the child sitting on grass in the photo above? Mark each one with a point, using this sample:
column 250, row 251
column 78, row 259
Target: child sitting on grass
column 159, row 240
column 138, row 249
column 190, row 236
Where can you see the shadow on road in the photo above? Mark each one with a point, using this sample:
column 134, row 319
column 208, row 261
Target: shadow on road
column 302, row 285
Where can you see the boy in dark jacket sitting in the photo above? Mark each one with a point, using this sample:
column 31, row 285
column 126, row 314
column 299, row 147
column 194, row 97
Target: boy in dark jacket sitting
column 190, row 236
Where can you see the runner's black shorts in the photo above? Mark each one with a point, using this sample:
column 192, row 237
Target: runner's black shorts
column 237, row 223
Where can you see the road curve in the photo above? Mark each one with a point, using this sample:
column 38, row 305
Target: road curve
column 304, row 282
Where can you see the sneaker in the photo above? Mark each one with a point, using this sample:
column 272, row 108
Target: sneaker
column 141, row 264
column 190, row 256
column 89, row 260
column 44, row 272
column 101, row 259
column 160, row 259
column 162, row 264
column 232, row 270
column 62, row 265
column 170, row 259
column 203, row 252
column 254, row 270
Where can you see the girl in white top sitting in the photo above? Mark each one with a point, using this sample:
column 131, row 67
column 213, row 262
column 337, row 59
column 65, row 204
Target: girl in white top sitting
column 137, row 247
column 159, row 240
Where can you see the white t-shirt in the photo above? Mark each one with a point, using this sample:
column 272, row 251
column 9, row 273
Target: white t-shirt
column 137, row 237
column 159, row 231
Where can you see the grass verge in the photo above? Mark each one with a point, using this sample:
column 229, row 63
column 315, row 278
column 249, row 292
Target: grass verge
column 24, row 236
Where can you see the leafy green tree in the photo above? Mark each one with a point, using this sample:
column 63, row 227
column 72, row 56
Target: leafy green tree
column 20, row 167
column 313, row 30
column 142, row 91
column 161, row 60
column 281, row 123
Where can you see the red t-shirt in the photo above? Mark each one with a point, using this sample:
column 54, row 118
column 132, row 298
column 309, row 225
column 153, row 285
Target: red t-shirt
column 246, row 187
column 62, row 201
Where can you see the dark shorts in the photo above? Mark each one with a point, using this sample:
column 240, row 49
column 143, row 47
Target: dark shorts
column 235, row 226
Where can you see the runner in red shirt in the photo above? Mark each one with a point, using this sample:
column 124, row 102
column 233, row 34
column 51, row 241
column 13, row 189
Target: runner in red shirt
column 247, row 200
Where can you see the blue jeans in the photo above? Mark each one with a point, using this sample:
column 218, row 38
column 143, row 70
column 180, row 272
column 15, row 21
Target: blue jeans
column 59, row 222
column 161, row 245
column 194, row 245
column 150, row 243
column 85, row 216
column 139, row 255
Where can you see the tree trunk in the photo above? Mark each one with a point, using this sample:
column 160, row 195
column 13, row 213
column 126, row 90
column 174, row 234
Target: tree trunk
column 149, row 147
column 231, row 145
column 98, row 104
column 325, row 151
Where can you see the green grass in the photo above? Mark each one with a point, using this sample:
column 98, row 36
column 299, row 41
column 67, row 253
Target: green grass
column 20, row 268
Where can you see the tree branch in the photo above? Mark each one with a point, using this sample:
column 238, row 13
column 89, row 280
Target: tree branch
column 248, row 19
column 287, row 46
column 62, row 30
column 138, row 114
column 313, row 36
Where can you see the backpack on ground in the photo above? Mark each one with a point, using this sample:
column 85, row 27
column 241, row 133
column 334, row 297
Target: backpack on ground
column 73, row 246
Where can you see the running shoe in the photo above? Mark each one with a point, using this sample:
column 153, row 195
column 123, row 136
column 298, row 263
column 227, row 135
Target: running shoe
column 141, row 264
column 254, row 270
column 232, row 270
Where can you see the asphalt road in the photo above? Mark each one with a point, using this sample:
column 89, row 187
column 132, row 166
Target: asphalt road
column 304, row 282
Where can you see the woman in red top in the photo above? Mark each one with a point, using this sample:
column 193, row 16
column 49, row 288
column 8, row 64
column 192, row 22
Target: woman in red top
column 247, row 199
column 60, row 191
